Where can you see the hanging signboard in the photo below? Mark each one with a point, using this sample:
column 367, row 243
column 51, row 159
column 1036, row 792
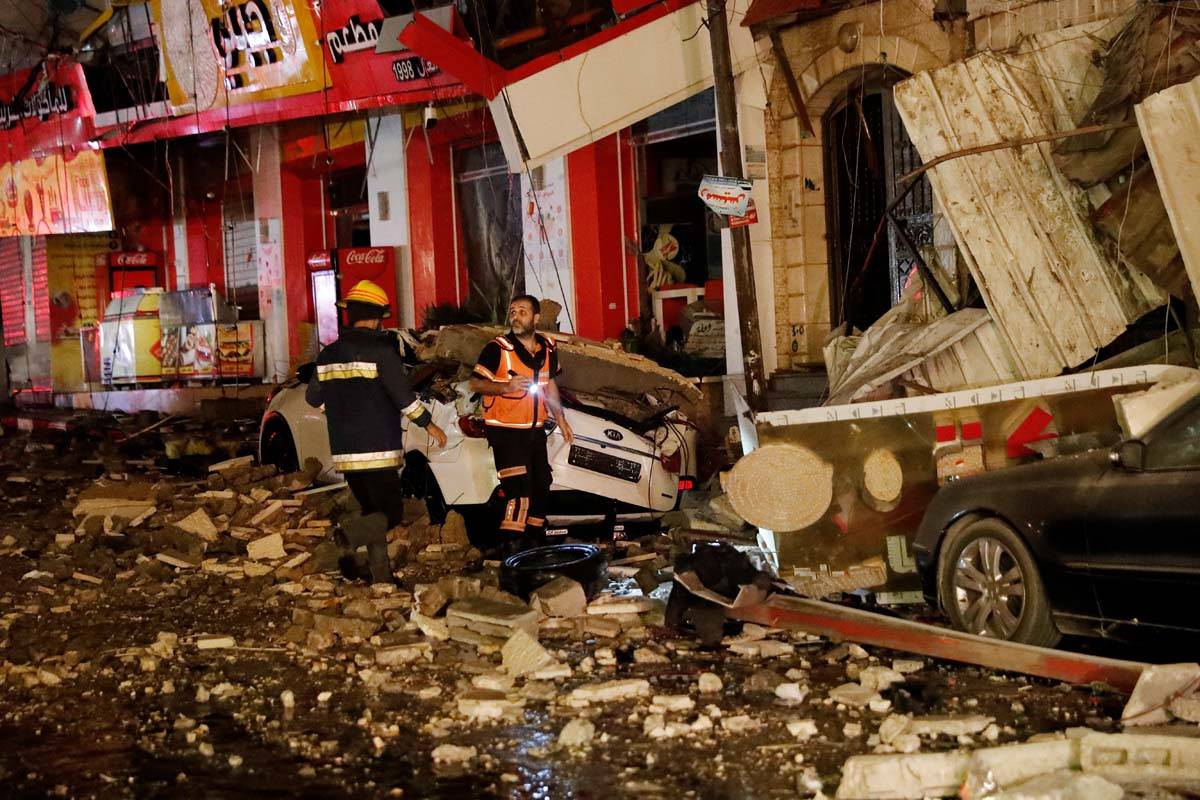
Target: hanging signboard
column 55, row 195
column 44, row 110
column 725, row 196
column 750, row 217
column 219, row 52
column 364, row 54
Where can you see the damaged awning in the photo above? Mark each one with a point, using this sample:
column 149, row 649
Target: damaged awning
column 1170, row 123
column 1054, row 291
column 596, row 87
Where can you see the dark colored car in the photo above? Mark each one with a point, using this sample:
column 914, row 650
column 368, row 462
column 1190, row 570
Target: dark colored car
column 1087, row 544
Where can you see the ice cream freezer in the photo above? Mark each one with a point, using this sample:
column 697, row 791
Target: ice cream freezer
column 150, row 336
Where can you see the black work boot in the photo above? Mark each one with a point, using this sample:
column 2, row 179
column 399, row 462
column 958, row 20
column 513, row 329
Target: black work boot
column 369, row 531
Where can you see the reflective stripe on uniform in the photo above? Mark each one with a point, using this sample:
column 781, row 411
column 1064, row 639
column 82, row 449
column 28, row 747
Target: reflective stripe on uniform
column 511, row 472
column 347, row 370
column 524, row 425
column 348, row 462
column 413, row 410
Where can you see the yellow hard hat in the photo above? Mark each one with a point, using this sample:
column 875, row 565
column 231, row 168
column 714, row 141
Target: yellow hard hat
column 367, row 292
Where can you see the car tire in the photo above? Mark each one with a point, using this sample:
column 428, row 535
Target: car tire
column 989, row 584
column 278, row 447
column 522, row 573
column 417, row 480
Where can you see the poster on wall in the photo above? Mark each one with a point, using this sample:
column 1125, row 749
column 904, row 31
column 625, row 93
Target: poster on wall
column 55, row 195
column 236, row 51
column 547, row 238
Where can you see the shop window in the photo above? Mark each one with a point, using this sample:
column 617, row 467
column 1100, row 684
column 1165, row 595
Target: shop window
column 867, row 150
column 677, row 147
column 489, row 208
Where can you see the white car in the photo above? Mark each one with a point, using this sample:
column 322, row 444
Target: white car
column 616, row 472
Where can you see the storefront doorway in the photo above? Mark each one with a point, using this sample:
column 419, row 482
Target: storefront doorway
column 867, row 150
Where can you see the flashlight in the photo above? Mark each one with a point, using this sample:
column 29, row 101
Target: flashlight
column 533, row 389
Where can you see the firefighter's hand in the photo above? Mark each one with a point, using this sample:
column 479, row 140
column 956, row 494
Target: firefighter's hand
column 567, row 434
column 436, row 435
column 518, row 383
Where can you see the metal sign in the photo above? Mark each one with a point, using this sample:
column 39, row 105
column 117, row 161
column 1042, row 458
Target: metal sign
column 725, row 196
column 750, row 218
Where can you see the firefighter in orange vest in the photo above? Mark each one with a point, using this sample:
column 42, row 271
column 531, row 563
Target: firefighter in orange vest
column 515, row 375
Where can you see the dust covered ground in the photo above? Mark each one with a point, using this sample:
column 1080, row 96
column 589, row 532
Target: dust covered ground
column 151, row 657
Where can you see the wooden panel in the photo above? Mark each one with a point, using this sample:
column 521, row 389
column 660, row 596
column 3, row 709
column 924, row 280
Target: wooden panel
column 1054, row 293
column 1170, row 123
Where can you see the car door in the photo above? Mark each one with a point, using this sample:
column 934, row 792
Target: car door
column 1143, row 530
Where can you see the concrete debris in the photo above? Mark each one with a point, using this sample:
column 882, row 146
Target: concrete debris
column 1138, row 412
column 522, row 654
column 802, row 729
column 215, row 642
column 1013, row 764
column 902, row 777
column 1156, row 689
column 740, row 723
column 672, row 702
column 267, row 548
column 432, row 627
column 199, row 524
column 576, row 733
column 406, row 653
column 474, row 619
column 484, row 704
column 609, row 691
column 878, row 679
column 791, row 693
column 1062, row 785
column 561, row 597
column 453, row 754
column 853, row 694
column 1170, row 762
column 709, row 683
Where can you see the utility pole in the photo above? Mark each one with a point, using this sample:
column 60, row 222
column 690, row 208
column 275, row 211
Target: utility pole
column 731, row 166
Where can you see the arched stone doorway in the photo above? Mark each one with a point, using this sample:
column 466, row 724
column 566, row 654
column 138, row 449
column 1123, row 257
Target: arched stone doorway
column 866, row 152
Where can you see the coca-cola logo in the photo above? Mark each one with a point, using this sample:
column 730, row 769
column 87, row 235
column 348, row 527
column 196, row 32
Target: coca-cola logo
column 133, row 259
column 373, row 255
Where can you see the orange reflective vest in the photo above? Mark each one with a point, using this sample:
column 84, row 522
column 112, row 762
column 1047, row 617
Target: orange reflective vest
column 525, row 409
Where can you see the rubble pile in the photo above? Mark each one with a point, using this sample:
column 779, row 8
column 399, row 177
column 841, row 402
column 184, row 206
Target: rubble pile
column 202, row 626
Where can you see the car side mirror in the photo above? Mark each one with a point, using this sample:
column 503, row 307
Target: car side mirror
column 1130, row 454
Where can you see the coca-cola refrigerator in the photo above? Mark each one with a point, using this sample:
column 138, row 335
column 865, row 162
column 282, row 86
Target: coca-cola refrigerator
column 133, row 270
column 333, row 272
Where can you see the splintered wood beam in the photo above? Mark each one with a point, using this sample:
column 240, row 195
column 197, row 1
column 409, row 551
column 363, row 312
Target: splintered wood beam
column 789, row 77
column 864, row 627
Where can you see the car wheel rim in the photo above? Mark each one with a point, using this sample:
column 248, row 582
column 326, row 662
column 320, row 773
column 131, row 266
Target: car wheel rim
column 989, row 589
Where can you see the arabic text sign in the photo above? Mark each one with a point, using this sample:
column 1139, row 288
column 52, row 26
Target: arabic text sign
column 726, row 196
column 55, row 195
column 240, row 51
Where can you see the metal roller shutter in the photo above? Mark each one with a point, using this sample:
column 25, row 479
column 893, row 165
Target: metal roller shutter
column 241, row 232
column 12, row 291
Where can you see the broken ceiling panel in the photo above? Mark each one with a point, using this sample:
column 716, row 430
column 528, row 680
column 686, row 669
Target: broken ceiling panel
column 958, row 351
column 1053, row 291
column 1170, row 123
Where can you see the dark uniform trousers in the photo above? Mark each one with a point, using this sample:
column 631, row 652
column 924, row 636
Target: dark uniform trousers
column 378, row 490
column 524, row 473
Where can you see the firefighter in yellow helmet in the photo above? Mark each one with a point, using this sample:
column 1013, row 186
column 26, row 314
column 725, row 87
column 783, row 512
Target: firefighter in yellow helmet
column 515, row 375
column 361, row 380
